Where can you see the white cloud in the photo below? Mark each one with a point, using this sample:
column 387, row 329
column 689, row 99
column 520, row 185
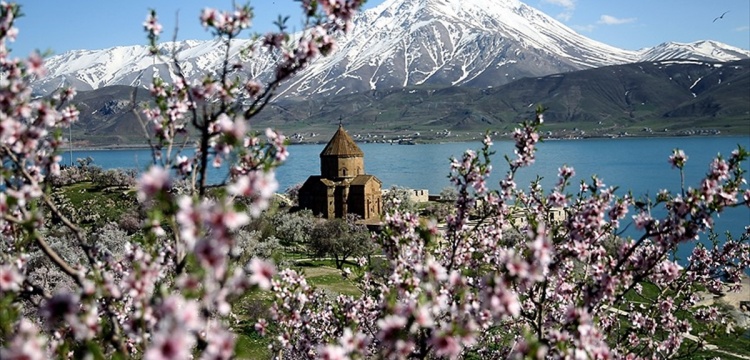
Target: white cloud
column 742, row 28
column 565, row 16
column 611, row 20
column 569, row 6
column 584, row 28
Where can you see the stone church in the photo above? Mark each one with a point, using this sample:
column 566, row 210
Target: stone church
column 342, row 187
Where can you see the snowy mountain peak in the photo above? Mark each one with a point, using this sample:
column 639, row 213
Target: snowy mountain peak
column 702, row 50
column 456, row 6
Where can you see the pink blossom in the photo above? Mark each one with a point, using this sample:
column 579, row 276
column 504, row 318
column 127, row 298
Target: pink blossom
column 390, row 326
column 170, row 345
column 261, row 326
column 212, row 256
column 446, row 346
column 566, row 172
column 678, row 158
column 333, row 352
column 183, row 164
column 209, row 17
column 259, row 186
column 253, row 88
column 557, row 199
column 185, row 312
column 25, row 344
column 10, row 278
column 496, row 264
column 261, row 273
column 353, row 342
column 152, row 182
column 220, row 344
column 69, row 115
column 423, row 318
column 719, row 169
column 670, row 271
column 152, row 25
column 35, row 65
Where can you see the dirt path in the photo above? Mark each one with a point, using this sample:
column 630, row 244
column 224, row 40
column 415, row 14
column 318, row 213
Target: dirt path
column 731, row 298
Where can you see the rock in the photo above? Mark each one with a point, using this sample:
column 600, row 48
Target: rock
column 741, row 318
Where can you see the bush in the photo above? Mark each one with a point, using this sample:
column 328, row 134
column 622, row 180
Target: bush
column 293, row 229
column 398, row 198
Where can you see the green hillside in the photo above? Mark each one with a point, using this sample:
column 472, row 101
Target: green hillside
column 644, row 99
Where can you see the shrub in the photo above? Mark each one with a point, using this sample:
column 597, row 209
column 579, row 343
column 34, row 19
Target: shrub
column 293, row 228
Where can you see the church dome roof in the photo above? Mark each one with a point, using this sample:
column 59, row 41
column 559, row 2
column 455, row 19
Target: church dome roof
column 341, row 144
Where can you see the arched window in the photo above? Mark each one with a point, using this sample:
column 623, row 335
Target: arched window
column 343, row 171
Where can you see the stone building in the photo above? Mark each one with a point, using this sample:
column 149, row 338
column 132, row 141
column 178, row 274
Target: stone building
column 342, row 187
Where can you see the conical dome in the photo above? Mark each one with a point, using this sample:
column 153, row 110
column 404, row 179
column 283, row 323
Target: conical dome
column 341, row 158
column 341, row 145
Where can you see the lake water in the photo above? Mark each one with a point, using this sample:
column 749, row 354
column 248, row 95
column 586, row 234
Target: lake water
column 635, row 164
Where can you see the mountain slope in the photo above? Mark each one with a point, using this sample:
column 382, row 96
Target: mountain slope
column 682, row 96
column 479, row 43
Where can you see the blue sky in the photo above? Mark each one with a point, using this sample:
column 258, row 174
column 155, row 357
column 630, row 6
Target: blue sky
column 631, row 24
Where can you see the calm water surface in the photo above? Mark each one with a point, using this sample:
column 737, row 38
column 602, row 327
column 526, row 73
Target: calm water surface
column 637, row 164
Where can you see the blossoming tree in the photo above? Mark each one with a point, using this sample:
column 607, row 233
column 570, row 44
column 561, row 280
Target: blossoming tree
column 169, row 295
column 505, row 278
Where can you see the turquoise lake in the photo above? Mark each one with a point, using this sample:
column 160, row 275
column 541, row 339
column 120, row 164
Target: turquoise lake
column 633, row 164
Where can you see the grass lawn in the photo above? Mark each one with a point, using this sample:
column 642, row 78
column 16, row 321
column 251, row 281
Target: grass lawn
column 250, row 347
column 324, row 276
column 85, row 198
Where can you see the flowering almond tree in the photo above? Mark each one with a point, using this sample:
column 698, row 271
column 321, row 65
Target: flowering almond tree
column 496, row 284
column 493, row 284
column 169, row 295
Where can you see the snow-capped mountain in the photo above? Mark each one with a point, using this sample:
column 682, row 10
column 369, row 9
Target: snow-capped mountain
column 398, row 43
column 133, row 65
column 705, row 50
column 452, row 42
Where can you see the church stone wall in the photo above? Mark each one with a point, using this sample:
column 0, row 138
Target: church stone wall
column 374, row 200
column 365, row 200
column 318, row 197
column 341, row 167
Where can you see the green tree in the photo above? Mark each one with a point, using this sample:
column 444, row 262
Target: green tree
column 340, row 239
